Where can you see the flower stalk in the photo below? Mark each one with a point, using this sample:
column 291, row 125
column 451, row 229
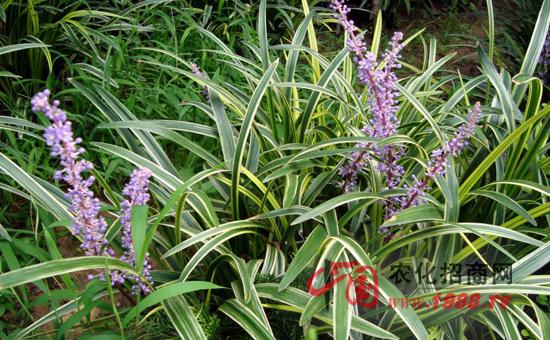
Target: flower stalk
column 381, row 83
column 137, row 194
column 86, row 220
column 438, row 163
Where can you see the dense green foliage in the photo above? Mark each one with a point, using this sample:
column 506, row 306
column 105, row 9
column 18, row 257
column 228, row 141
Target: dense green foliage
column 245, row 204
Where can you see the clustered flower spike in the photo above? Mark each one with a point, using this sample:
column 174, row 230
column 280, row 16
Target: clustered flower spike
column 438, row 162
column 136, row 192
column 381, row 83
column 84, row 206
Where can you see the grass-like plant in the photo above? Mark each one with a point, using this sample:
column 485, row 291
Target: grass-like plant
column 259, row 208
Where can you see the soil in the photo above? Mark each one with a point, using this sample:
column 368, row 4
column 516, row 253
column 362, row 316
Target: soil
column 457, row 30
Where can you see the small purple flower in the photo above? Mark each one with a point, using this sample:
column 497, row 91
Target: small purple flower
column 197, row 71
column 84, row 207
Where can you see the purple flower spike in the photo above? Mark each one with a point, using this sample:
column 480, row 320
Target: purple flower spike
column 438, row 162
column 197, row 71
column 381, row 83
column 84, row 206
column 136, row 192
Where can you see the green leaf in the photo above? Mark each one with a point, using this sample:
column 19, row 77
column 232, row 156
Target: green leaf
column 527, row 185
column 20, row 122
column 299, row 299
column 343, row 310
column 169, row 135
column 262, row 35
column 19, row 47
column 303, row 256
column 530, row 61
column 507, row 105
column 225, row 130
column 246, row 126
column 175, row 125
column 514, row 223
column 4, row 234
column 338, row 201
column 290, row 67
column 425, row 77
column 183, row 319
column 55, row 314
column 375, row 45
column 166, row 292
column 7, row 74
column 454, row 228
column 57, row 267
column 201, row 237
column 459, row 95
column 43, row 196
column 246, row 318
column 507, row 202
column 425, row 114
column 212, row 245
column 386, row 288
column 139, row 228
column 508, row 323
column 159, row 173
column 424, row 212
column 316, row 95
column 90, row 69
column 312, row 39
column 491, row 33
column 174, row 198
column 114, row 111
column 486, row 164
